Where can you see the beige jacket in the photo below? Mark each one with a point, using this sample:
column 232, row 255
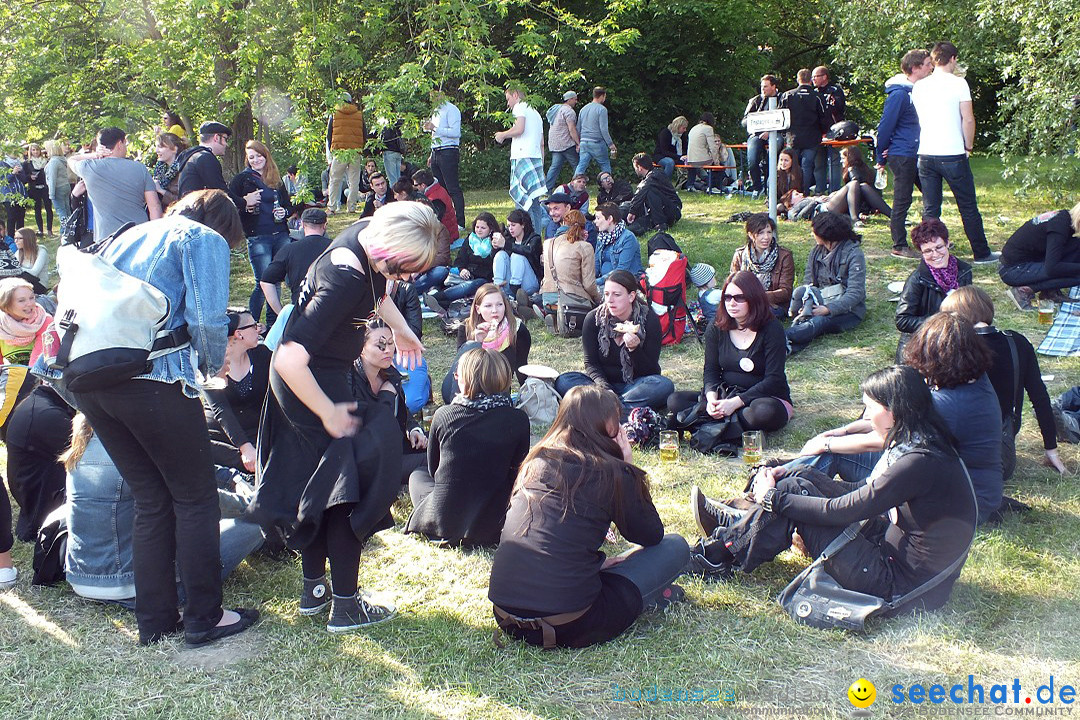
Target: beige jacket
column 575, row 264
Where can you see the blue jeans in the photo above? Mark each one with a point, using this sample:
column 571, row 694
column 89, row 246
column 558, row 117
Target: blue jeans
column 851, row 468
column 461, row 290
column 802, row 334
column 827, row 169
column 261, row 250
column 60, row 207
column 654, row 568
column 1034, row 276
column 667, row 165
column 592, row 150
column 807, row 159
column 756, row 150
column 955, row 170
column 392, row 165
column 568, row 157
column 433, row 278
column 649, row 391
column 538, row 214
column 514, row 270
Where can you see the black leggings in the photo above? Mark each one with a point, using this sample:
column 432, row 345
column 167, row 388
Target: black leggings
column 336, row 542
column 768, row 413
column 40, row 201
column 6, row 538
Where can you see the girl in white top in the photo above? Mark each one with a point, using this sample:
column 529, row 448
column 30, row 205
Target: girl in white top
column 34, row 258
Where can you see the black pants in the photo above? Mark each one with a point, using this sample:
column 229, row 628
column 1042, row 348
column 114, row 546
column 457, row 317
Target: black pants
column 905, row 178
column 444, row 166
column 7, row 540
column 16, row 217
column 159, row 441
column 768, row 414
column 41, row 199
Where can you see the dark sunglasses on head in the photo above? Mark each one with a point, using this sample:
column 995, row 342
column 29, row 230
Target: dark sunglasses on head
column 739, row 298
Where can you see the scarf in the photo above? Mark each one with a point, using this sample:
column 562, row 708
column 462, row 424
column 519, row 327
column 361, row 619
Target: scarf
column 606, row 322
column 762, row 268
column 481, row 247
column 946, row 277
column 483, row 403
column 502, row 337
column 164, row 172
column 608, row 237
column 23, row 332
column 39, row 163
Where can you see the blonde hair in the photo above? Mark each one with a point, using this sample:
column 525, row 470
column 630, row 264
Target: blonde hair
column 403, row 234
column 483, row 372
column 81, row 434
column 474, row 312
column 971, row 303
column 270, row 174
column 679, row 122
column 52, row 147
column 1075, row 215
column 8, row 286
column 575, row 221
column 29, row 251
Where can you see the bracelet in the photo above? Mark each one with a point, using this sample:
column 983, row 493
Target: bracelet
column 828, row 444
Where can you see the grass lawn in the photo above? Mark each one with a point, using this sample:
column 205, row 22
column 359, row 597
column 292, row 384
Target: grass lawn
column 1014, row 613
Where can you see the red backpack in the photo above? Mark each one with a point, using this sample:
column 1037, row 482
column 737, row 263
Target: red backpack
column 667, row 294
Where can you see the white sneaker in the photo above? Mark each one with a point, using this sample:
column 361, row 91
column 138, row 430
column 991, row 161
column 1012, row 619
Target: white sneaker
column 8, row 576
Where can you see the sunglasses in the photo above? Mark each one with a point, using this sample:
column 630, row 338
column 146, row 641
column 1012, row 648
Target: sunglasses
column 739, row 298
column 246, row 327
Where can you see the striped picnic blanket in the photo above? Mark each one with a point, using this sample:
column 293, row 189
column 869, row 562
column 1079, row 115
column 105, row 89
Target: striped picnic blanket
column 1063, row 340
column 526, row 181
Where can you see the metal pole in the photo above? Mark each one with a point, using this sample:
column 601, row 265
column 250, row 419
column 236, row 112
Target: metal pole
column 774, row 149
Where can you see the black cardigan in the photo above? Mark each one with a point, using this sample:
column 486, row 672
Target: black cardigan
column 478, row 266
column 768, row 353
column 664, row 147
column 1002, row 378
column 607, row 369
column 474, row 457
column 234, row 416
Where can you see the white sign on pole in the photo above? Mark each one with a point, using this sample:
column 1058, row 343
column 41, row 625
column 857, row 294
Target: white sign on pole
column 768, row 120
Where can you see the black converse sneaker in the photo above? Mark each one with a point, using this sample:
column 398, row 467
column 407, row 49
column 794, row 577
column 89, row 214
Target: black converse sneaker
column 711, row 514
column 706, row 569
column 356, row 611
column 316, row 596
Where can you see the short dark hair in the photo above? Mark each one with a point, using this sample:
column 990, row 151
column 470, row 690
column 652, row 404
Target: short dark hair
column 610, row 211
column 833, row 227
column 403, row 185
column 599, row 92
column 214, row 209
column 374, row 175
column 643, row 160
column 758, row 222
column 708, row 118
column 947, row 351
column 927, row 230
column 423, row 176
column 108, row 137
column 626, row 279
column 913, row 59
column 943, row 52
column 770, row 78
column 757, row 302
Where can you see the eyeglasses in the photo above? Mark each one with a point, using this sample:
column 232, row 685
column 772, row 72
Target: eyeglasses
column 936, row 250
column 246, row 327
column 738, row 298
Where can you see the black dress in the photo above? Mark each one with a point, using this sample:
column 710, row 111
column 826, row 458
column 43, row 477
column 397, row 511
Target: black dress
column 233, row 412
column 302, row 471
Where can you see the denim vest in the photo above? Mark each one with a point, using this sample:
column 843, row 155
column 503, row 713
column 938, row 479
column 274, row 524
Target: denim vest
column 189, row 263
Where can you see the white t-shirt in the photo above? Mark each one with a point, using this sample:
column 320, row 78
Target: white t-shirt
column 937, row 100
column 527, row 144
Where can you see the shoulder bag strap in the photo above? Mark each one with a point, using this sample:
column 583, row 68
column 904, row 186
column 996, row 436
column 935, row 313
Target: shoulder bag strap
column 551, row 261
column 1018, row 389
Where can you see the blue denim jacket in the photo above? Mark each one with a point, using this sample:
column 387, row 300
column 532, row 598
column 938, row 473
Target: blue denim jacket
column 188, row 262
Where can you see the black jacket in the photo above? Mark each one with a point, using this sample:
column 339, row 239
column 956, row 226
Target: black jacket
column 620, row 193
column 531, row 248
column 921, row 298
column 832, row 99
column 479, row 267
column 664, row 147
column 808, row 119
column 200, row 170
column 407, row 301
column 657, row 186
column 248, row 180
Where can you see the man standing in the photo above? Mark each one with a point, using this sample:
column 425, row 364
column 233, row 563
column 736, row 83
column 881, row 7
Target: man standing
column 946, row 137
column 655, row 203
column 380, row 194
column 344, row 141
column 200, row 168
column 563, row 137
column 828, row 158
column 445, row 129
column 526, row 155
column 595, row 140
column 121, row 190
column 898, row 142
column 808, row 124
column 393, row 150
column 292, row 261
column 757, row 143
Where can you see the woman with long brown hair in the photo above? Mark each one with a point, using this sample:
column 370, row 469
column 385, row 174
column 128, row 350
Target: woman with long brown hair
column 550, row 585
column 264, row 216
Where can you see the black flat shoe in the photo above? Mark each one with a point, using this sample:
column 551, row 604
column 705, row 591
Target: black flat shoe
column 162, row 635
column 248, row 617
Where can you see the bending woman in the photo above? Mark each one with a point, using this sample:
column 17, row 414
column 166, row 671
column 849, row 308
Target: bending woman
column 329, row 458
column 550, row 584
column 918, row 506
column 745, row 354
column 621, row 341
column 477, row 444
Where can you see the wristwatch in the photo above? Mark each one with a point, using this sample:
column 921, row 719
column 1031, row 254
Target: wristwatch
column 767, row 499
column 828, row 444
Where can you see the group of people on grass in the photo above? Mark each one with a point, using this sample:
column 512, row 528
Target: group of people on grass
column 310, row 439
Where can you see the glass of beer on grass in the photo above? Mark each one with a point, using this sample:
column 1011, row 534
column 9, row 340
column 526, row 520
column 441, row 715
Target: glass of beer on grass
column 1046, row 312
column 669, row 445
column 752, row 446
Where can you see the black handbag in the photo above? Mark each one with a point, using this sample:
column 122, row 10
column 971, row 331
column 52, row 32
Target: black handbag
column 74, row 229
column 816, row 599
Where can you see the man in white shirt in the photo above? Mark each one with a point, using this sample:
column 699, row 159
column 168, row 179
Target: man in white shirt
column 445, row 158
column 527, row 183
column 946, row 138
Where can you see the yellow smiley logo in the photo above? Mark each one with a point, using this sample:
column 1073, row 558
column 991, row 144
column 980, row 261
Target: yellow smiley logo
column 862, row 693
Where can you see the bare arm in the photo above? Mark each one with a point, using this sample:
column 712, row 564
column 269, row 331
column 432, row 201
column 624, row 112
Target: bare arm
column 517, row 129
column 291, row 361
column 273, row 299
column 153, row 204
column 967, row 119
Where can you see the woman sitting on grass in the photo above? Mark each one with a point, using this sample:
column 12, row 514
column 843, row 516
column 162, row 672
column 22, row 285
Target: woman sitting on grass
column 569, row 265
column 918, row 506
column 491, row 325
column 774, row 265
column 25, row 327
column 476, row 446
column 474, row 264
column 550, row 584
column 621, row 341
column 744, row 362
column 517, row 263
